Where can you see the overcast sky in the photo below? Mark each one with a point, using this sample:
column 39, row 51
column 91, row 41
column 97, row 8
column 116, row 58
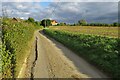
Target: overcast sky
column 104, row 11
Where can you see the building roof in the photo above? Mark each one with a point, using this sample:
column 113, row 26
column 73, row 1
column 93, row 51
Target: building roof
column 54, row 21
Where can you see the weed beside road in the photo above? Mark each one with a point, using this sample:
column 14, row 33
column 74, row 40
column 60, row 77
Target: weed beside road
column 16, row 36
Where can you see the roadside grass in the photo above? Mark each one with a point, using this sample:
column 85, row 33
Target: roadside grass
column 16, row 37
column 103, row 52
column 0, row 52
column 101, row 31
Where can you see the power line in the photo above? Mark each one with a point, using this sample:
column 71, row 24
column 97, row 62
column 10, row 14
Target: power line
column 53, row 10
column 60, row 17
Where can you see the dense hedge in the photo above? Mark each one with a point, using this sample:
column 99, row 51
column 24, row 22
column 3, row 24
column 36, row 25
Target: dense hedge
column 0, row 52
column 103, row 52
column 16, row 35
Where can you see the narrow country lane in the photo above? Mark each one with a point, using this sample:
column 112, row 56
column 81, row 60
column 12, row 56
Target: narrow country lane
column 53, row 60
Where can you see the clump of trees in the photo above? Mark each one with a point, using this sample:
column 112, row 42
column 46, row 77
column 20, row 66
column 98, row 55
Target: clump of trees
column 31, row 20
column 62, row 24
column 46, row 23
column 103, row 24
column 82, row 22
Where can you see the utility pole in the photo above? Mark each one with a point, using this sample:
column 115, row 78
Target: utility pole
column 45, row 22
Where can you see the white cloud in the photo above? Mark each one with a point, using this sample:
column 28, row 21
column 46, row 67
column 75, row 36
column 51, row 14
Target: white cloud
column 0, row 8
column 26, row 0
column 27, row 13
column 21, row 6
column 90, row 11
column 65, row 11
column 86, row 0
column 60, row 0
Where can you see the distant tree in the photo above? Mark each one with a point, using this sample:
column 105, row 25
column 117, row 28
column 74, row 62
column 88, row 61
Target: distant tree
column 115, row 24
column 46, row 23
column 37, row 23
column 118, row 24
column 62, row 24
column 92, row 24
column 30, row 19
column 82, row 22
column 106, row 24
column 88, row 25
column 109, row 25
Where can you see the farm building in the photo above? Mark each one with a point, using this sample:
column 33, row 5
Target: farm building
column 16, row 19
column 54, row 22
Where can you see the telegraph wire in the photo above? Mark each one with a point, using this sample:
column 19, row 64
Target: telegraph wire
column 58, row 4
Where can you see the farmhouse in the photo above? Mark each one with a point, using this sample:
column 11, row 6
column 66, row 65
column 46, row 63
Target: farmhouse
column 16, row 19
column 54, row 22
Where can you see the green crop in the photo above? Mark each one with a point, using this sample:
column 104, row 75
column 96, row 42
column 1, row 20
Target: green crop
column 102, row 52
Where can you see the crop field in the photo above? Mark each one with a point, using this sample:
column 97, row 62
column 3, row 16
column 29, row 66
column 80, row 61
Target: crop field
column 103, row 52
column 102, row 31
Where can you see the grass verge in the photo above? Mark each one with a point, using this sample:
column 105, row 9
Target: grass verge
column 16, row 37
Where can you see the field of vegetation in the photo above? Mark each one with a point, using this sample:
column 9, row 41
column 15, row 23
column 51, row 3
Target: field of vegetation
column 102, row 52
column 16, row 37
column 99, row 45
column 102, row 31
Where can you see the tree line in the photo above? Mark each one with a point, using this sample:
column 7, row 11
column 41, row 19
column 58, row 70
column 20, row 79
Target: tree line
column 47, row 23
column 84, row 23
